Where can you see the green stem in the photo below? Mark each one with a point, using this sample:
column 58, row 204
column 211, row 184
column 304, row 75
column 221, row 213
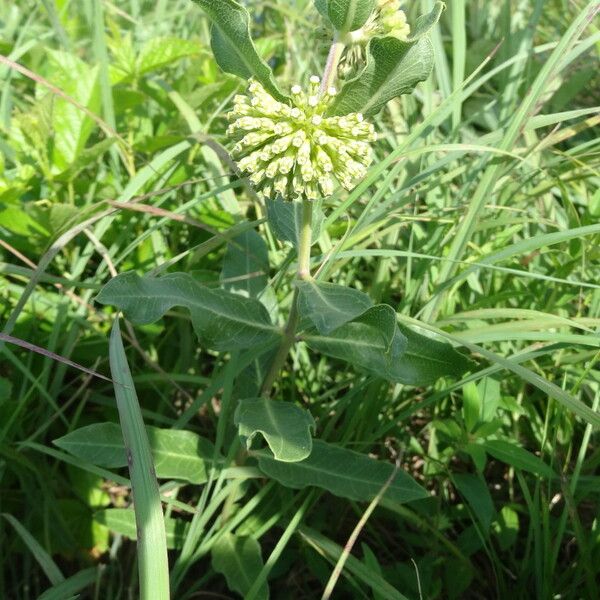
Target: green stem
column 303, row 273
column 333, row 60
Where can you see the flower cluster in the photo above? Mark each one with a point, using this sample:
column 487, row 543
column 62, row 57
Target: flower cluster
column 390, row 20
column 294, row 149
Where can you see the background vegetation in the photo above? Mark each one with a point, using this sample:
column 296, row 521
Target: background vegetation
column 479, row 219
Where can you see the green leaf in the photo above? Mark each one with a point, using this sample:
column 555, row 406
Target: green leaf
column 344, row 473
column 71, row 127
column 246, row 264
column 394, row 67
column 122, row 521
column 518, row 457
column 285, row 427
column 471, row 407
column 477, row 495
column 71, row 586
column 372, row 342
column 232, row 44
column 329, row 306
column 425, row 360
column 152, row 558
column 321, row 6
column 285, row 220
column 239, row 559
column 349, row 15
column 221, row 320
column 159, row 52
column 177, row 454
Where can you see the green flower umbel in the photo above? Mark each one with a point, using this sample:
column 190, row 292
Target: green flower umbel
column 293, row 149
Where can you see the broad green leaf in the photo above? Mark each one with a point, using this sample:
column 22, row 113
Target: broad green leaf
column 475, row 491
column 425, row 360
column 329, row 306
column 71, row 127
column 372, row 342
column 246, row 264
column 321, row 6
column 221, row 320
column 518, row 457
column 344, row 473
column 233, row 46
column 122, row 521
column 177, row 454
column 285, row 220
column 285, row 427
column 349, row 15
column 70, row 587
column 239, row 559
column 159, row 52
column 394, row 67
column 152, row 557
column 506, row 527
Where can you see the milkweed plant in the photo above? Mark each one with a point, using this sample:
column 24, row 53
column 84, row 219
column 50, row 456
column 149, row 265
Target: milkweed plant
column 300, row 147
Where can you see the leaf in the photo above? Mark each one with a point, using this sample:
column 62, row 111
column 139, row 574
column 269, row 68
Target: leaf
column 372, row 342
column 518, row 457
column 71, row 586
column 232, row 44
column 343, row 473
column 70, row 125
column 349, row 15
column 425, row 360
column 471, row 406
column 239, row 560
column 152, row 558
column 285, row 220
column 476, row 493
column 221, row 320
column 159, row 52
column 394, row 67
column 321, row 6
column 285, row 427
column 122, row 521
column 177, row 454
column 246, row 264
column 329, row 306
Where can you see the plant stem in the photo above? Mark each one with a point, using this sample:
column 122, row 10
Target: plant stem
column 305, row 241
column 333, row 60
column 303, row 273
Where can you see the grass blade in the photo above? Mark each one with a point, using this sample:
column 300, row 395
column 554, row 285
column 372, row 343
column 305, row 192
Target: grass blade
column 153, row 562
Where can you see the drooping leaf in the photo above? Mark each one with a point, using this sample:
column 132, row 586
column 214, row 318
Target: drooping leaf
column 221, row 320
column 233, row 46
column 285, row 427
column 518, row 457
column 372, row 342
column 239, row 559
column 177, row 454
column 477, row 495
column 122, row 520
column 328, row 305
column 344, row 473
column 321, row 6
column 285, row 219
column 394, row 67
column 349, row 15
column 246, row 265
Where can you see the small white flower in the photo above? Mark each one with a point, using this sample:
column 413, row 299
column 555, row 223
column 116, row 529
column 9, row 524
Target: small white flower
column 295, row 150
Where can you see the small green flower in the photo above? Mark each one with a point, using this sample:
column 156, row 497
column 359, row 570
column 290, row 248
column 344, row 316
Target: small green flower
column 390, row 20
column 295, row 150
